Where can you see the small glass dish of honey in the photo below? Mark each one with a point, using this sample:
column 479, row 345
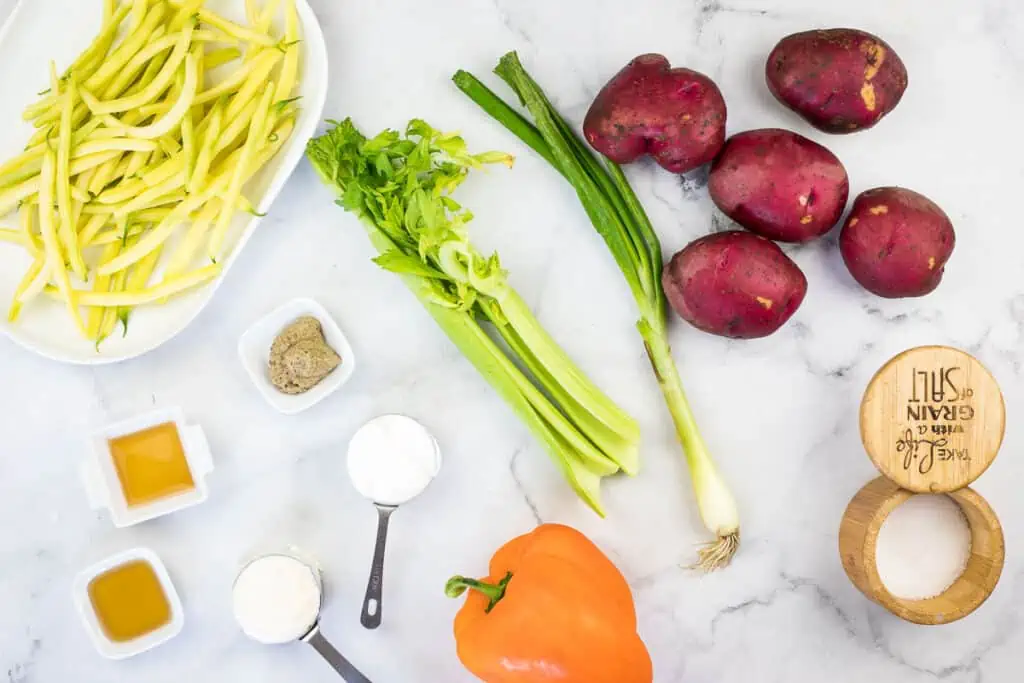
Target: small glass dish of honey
column 148, row 466
column 128, row 603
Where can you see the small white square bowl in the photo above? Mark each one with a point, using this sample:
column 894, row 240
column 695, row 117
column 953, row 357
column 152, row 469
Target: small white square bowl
column 254, row 351
column 104, row 645
column 103, row 486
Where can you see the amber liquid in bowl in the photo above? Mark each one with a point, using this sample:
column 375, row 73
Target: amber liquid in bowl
column 129, row 601
column 151, row 464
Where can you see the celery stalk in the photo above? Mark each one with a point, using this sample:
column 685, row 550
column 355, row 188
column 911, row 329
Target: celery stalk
column 400, row 187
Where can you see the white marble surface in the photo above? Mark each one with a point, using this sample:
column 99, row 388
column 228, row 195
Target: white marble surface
column 780, row 413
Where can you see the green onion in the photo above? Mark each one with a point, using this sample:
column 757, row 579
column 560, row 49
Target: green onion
column 400, row 187
column 620, row 219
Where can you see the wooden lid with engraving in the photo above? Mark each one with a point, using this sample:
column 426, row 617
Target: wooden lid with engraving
column 932, row 419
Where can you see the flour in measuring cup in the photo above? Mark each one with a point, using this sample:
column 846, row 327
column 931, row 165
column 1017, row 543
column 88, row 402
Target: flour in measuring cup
column 392, row 459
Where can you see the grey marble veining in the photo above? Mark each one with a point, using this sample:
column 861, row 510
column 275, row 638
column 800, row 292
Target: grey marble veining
column 780, row 413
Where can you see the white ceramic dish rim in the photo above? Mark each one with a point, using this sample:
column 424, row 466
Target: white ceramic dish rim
column 104, row 488
column 254, row 343
column 104, row 645
column 293, row 152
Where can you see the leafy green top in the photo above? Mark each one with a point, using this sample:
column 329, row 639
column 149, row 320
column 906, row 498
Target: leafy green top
column 401, row 185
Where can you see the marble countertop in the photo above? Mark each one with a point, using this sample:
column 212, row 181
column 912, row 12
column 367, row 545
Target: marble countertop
column 780, row 413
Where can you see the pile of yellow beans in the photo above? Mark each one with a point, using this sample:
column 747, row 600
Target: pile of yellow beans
column 140, row 138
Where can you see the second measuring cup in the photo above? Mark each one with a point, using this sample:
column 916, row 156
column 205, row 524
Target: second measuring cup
column 391, row 460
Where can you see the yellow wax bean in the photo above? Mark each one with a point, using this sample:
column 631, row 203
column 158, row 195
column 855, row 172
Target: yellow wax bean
column 255, row 82
column 79, row 195
column 137, row 280
column 140, row 63
column 151, row 91
column 145, row 199
column 194, row 236
column 173, row 117
column 124, row 144
column 232, row 29
column 188, row 145
column 155, row 109
column 96, row 50
column 252, row 12
column 94, row 317
column 54, row 258
column 169, row 145
column 148, row 177
column 221, row 56
column 87, row 236
column 10, row 197
column 152, row 200
column 121, row 168
column 255, row 71
column 132, row 43
column 138, row 14
column 290, row 67
column 257, row 137
column 108, row 236
column 267, row 16
column 144, row 57
column 110, row 314
column 165, row 289
column 67, row 233
column 236, row 128
column 216, row 187
column 152, row 215
column 206, row 150
column 14, row 237
column 54, row 79
column 136, row 164
column 12, row 169
column 185, row 12
column 81, row 185
column 30, row 280
column 28, row 231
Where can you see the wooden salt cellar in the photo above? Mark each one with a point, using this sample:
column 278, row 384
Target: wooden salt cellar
column 858, row 538
column 932, row 420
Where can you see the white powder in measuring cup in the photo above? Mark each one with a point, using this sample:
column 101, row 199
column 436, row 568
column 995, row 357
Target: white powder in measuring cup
column 923, row 547
column 277, row 599
column 392, row 459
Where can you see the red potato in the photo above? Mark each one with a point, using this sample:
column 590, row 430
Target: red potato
column 675, row 115
column 734, row 284
column 779, row 184
column 841, row 80
column 896, row 242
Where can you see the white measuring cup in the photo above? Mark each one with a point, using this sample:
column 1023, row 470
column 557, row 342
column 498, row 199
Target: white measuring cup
column 299, row 614
column 391, row 460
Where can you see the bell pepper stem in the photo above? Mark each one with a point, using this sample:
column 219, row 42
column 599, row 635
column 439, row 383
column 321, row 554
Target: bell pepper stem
column 457, row 585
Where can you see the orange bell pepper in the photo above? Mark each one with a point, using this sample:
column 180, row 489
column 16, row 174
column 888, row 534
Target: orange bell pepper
column 554, row 608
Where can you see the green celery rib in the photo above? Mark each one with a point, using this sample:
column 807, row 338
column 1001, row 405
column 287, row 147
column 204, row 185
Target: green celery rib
column 564, row 371
column 543, row 420
column 604, row 446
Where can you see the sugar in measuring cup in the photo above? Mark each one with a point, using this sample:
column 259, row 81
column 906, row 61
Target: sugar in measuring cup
column 391, row 460
column 277, row 599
